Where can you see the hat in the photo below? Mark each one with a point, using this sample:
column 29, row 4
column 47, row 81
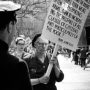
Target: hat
column 42, row 39
column 22, row 36
column 9, row 6
column 35, row 38
column 19, row 39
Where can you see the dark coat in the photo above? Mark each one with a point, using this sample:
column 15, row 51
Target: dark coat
column 83, row 54
column 13, row 73
column 37, row 69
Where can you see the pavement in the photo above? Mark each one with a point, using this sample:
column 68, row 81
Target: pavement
column 75, row 77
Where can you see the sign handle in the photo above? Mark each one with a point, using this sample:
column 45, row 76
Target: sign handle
column 51, row 65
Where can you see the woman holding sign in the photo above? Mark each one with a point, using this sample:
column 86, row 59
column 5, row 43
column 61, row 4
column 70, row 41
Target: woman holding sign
column 38, row 65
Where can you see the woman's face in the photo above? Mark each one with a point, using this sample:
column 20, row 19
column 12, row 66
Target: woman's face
column 41, row 47
column 20, row 45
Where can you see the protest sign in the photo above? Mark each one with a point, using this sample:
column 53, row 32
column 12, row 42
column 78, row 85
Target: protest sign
column 65, row 21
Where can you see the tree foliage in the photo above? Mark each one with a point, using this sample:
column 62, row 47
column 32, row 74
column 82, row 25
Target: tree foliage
column 31, row 17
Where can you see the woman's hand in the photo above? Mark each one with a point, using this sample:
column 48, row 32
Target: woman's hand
column 56, row 66
column 26, row 55
column 44, row 79
column 54, row 61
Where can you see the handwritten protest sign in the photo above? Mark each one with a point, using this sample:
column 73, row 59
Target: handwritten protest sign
column 65, row 21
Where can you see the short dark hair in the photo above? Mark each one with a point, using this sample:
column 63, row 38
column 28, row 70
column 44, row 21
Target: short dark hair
column 35, row 38
column 6, row 18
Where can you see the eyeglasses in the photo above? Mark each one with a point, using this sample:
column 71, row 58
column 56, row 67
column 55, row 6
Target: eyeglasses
column 20, row 44
column 40, row 44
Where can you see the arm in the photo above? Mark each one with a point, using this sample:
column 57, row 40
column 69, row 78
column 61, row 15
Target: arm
column 42, row 79
column 26, row 55
column 55, row 63
column 35, row 81
column 58, row 72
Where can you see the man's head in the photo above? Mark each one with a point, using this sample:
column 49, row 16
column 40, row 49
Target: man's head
column 8, row 20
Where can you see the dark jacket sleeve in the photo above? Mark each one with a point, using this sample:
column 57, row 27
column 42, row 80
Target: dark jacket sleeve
column 24, row 76
column 61, row 76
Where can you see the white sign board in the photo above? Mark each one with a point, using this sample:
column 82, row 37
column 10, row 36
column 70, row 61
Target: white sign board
column 65, row 21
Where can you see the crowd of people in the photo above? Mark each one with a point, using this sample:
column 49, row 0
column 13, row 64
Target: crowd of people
column 24, row 65
column 24, row 61
column 21, row 47
column 81, row 57
column 36, row 54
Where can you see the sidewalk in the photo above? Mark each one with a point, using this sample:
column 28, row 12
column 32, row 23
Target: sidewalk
column 75, row 77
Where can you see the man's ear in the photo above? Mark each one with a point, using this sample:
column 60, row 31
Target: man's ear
column 9, row 27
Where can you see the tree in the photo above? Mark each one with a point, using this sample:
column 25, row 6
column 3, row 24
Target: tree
column 32, row 15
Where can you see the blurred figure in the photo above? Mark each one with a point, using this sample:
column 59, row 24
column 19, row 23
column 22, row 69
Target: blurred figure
column 87, row 60
column 75, row 57
column 13, row 73
column 38, row 65
column 28, row 47
column 83, row 56
column 21, row 51
column 20, row 42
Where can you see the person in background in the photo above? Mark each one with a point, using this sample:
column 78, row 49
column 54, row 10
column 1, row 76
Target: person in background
column 87, row 60
column 20, row 49
column 28, row 48
column 13, row 73
column 20, row 42
column 83, row 56
column 76, row 56
column 38, row 65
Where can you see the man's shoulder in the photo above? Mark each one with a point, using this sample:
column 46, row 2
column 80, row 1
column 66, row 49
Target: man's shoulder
column 16, row 62
column 13, row 59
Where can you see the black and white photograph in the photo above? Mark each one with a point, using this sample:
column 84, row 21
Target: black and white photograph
column 44, row 45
